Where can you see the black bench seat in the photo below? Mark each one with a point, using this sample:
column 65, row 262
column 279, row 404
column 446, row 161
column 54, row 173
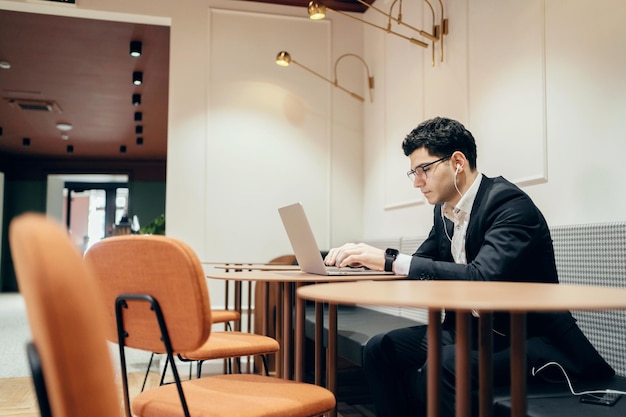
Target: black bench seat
column 556, row 400
column 355, row 326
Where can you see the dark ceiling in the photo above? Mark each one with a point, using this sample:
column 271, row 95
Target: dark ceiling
column 79, row 71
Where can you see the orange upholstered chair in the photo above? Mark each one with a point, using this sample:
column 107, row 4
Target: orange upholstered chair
column 125, row 264
column 66, row 311
column 157, row 298
column 66, row 321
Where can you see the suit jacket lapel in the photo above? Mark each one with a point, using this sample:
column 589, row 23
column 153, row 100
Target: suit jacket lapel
column 470, row 248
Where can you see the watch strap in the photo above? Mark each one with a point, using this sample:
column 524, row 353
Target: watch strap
column 390, row 257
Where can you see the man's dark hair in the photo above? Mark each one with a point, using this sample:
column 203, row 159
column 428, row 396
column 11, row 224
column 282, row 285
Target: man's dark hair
column 441, row 137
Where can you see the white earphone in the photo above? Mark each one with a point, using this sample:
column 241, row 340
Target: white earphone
column 458, row 166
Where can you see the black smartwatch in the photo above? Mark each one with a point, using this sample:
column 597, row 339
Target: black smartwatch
column 390, row 257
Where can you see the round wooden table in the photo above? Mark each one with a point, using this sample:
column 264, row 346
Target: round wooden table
column 287, row 280
column 466, row 297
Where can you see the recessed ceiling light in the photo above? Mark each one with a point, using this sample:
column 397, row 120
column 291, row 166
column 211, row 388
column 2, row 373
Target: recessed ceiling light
column 5, row 64
column 64, row 127
column 135, row 49
column 137, row 77
column 65, row 136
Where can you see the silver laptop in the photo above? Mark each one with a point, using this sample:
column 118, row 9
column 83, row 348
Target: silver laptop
column 305, row 246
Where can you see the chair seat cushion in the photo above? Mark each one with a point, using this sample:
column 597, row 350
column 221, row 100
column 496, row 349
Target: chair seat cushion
column 232, row 345
column 236, row 395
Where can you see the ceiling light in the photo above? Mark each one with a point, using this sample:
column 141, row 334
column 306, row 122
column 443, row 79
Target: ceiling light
column 136, row 99
column 123, row 149
column 65, row 136
column 284, row 59
column 135, row 49
column 70, row 148
column 138, row 116
column 140, row 141
column 26, row 142
column 137, row 77
column 139, row 129
column 5, row 64
column 64, row 127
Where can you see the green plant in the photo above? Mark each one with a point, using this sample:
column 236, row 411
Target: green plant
column 156, row 227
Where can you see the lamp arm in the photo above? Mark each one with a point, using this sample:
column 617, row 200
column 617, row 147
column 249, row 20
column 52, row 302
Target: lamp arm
column 370, row 79
column 356, row 96
column 432, row 11
column 399, row 21
column 443, row 29
column 412, row 40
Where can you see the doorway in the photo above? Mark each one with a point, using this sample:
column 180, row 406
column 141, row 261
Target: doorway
column 91, row 206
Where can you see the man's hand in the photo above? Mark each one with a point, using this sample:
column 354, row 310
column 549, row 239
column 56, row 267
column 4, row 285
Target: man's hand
column 356, row 254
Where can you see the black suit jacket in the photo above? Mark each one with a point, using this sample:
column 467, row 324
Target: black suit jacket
column 507, row 239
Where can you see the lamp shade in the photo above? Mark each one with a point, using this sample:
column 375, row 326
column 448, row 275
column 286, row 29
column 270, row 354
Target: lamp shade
column 283, row 59
column 316, row 10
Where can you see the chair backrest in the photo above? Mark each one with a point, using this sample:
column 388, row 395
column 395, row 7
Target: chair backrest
column 167, row 270
column 283, row 260
column 66, row 319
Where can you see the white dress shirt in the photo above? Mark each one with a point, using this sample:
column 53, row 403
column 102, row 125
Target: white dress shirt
column 460, row 216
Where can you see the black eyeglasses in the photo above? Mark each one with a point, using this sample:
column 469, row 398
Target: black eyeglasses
column 420, row 171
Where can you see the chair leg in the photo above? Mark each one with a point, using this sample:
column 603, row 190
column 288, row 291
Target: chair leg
column 167, row 361
column 267, row 370
column 199, row 368
column 145, row 378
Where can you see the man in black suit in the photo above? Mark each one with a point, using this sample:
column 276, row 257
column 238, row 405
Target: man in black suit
column 484, row 229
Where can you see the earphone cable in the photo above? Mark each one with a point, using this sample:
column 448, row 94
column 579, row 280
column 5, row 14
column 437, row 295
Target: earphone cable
column 534, row 372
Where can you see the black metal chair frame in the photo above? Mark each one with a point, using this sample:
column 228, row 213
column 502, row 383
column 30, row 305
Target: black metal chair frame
column 120, row 305
column 122, row 334
column 39, row 382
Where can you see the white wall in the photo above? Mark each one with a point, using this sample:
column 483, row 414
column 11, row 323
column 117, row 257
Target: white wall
column 539, row 83
column 245, row 135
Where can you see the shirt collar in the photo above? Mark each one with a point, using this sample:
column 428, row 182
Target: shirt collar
column 464, row 206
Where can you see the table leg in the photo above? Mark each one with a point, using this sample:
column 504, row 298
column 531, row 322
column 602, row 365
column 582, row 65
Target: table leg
column 299, row 337
column 279, row 333
column 226, row 306
column 518, row 365
column 463, row 364
column 319, row 343
column 287, row 328
column 238, row 302
column 331, row 368
column 249, row 323
column 266, row 308
column 434, row 362
column 485, row 363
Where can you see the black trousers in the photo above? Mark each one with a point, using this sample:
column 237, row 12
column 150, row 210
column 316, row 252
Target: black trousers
column 395, row 367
